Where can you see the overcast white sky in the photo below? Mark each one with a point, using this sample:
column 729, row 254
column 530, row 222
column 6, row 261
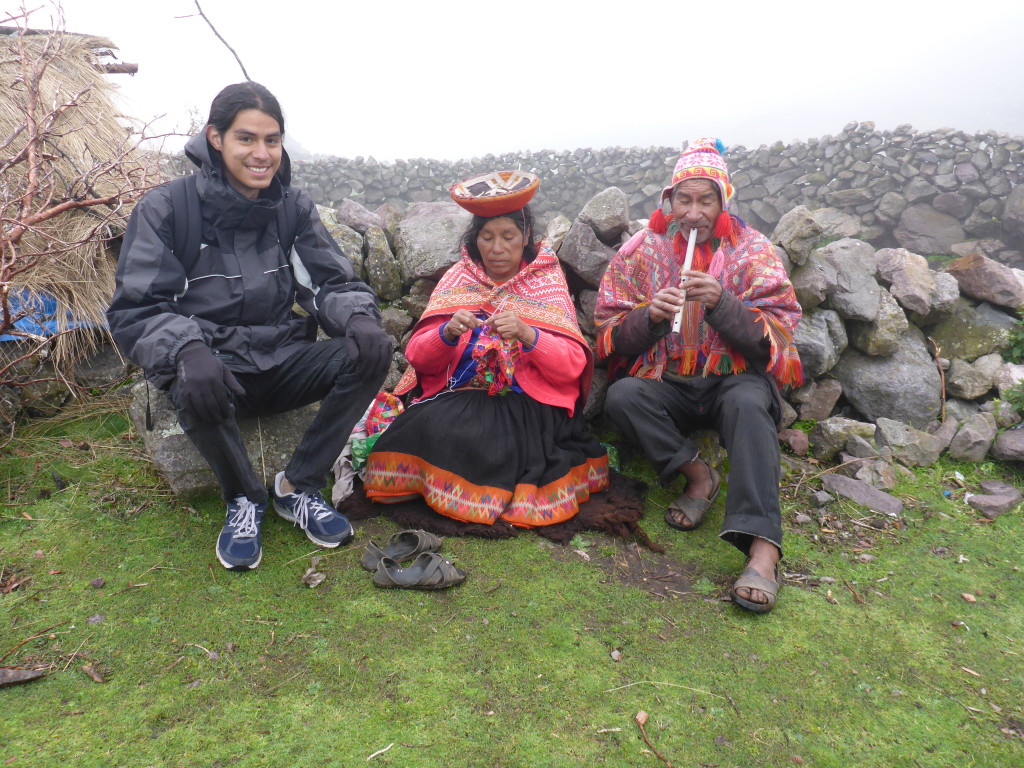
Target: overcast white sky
column 393, row 78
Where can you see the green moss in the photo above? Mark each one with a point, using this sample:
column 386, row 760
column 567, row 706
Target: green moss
column 513, row 668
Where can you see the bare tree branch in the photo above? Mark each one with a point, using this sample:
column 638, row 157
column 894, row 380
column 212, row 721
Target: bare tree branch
column 69, row 172
column 240, row 64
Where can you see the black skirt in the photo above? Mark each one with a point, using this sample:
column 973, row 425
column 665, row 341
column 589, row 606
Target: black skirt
column 477, row 458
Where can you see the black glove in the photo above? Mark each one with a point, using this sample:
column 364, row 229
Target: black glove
column 205, row 383
column 367, row 342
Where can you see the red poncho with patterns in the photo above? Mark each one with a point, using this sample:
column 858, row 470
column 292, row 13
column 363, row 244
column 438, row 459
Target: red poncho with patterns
column 556, row 371
column 746, row 265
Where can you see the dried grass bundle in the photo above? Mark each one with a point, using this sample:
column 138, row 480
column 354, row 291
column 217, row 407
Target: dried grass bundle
column 85, row 150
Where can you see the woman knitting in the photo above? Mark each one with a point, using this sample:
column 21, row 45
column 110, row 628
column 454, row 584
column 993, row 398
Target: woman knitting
column 498, row 431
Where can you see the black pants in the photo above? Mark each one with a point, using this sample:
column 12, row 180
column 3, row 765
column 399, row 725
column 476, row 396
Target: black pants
column 741, row 408
column 321, row 370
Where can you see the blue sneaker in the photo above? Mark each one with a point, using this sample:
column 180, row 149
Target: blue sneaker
column 323, row 524
column 239, row 546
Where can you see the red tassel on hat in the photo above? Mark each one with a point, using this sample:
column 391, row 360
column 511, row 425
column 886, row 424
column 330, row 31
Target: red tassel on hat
column 723, row 226
column 658, row 224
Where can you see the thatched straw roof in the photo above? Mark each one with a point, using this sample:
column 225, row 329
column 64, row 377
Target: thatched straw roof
column 88, row 154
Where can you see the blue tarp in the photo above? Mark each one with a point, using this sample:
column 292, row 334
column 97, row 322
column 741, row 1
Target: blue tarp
column 42, row 317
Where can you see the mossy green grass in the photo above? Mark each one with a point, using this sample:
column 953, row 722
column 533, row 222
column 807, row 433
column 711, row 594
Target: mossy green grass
column 887, row 665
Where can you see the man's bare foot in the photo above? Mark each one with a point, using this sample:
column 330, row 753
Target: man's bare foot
column 699, row 482
column 763, row 557
column 701, row 486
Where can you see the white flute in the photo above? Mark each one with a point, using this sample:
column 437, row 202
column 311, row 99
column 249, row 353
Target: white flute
column 691, row 241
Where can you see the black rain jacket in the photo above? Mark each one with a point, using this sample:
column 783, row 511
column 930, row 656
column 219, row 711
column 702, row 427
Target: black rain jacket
column 238, row 296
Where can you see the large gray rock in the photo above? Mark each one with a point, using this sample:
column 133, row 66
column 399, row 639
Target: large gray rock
column 836, row 224
column 1013, row 213
column 911, row 282
column 974, row 438
column 427, row 239
column 395, row 321
column 1008, row 376
column 585, row 313
column 585, row 254
column 820, row 400
column 101, row 369
column 986, row 280
column 830, row 436
column 594, row 406
column 1009, row 445
column 812, row 281
column 955, row 204
column 969, row 381
column 382, row 270
column 882, row 335
column 416, row 300
column 798, row 233
column 970, row 332
column 855, row 294
column 350, row 241
column 924, row 230
column 891, row 205
column 607, row 213
column 904, row 386
column 863, row 494
column 996, row 498
column 820, row 339
column 556, row 231
column 909, row 446
column 351, row 214
column 269, row 441
column 1004, row 413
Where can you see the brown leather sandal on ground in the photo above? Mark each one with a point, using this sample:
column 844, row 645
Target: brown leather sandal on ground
column 429, row 571
column 693, row 510
column 751, row 579
column 404, row 545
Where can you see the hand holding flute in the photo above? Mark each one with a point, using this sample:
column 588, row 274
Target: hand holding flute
column 668, row 302
column 691, row 241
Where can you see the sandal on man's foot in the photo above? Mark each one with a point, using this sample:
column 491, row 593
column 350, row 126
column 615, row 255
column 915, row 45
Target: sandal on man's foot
column 428, row 571
column 404, row 545
column 693, row 510
column 751, row 579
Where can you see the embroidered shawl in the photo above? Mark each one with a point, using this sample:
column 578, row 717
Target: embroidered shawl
column 748, row 267
column 537, row 293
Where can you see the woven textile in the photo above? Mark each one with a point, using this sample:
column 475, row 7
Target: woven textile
column 702, row 159
column 750, row 269
column 537, row 293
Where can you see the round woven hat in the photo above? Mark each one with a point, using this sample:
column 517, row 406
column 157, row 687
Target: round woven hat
column 496, row 193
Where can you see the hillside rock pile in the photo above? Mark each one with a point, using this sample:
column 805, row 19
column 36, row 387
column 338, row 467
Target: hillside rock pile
column 934, row 193
column 902, row 361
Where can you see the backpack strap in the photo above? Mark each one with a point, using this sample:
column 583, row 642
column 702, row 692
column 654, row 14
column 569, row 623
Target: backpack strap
column 188, row 228
column 188, row 219
column 287, row 222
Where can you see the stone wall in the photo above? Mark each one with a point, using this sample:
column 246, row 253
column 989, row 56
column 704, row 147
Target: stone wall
column 925, row 191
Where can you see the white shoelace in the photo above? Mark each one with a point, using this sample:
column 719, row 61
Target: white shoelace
column 244, row 520
column 307, row 503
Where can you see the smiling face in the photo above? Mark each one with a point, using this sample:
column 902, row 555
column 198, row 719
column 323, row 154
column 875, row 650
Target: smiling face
column 501, row 248
column 696, row 205
column 251, row 149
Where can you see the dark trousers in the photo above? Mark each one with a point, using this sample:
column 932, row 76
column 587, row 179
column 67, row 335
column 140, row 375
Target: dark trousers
column 321, row 370
column 741, row 408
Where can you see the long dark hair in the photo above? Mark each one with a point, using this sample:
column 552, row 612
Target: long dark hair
column 234, row 98
column 523, row 219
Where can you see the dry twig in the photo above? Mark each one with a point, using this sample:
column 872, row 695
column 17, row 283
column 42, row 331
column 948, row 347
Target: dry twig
column 640, row 718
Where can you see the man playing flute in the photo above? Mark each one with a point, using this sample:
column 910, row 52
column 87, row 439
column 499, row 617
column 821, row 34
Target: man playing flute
column 722, row 370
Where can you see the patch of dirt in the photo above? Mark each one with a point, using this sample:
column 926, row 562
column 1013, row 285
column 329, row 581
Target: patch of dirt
column 659, row 574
